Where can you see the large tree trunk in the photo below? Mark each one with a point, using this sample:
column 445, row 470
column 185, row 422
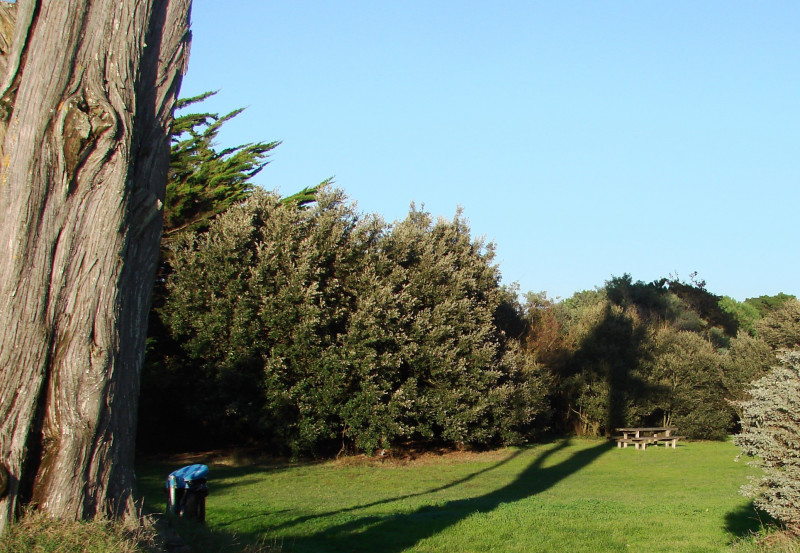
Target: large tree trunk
column 86, row 100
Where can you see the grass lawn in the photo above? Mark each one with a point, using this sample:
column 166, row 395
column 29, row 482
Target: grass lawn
column 573, row 495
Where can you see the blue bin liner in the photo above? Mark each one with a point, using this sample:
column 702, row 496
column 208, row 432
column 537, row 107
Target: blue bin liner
column 182, row 478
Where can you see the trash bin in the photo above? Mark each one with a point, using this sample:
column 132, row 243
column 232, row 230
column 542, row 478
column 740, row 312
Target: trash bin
column 187, row 489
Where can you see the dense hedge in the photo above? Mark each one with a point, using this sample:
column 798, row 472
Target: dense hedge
column 315, row 329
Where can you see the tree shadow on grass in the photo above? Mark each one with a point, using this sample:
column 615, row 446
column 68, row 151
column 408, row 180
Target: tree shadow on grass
column 218, row 539
column 398, row 532
column 746, row 520
column 307, row 518
column 178, row 532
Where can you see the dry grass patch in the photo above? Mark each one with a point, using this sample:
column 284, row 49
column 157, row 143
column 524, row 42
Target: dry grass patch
column 38, row 533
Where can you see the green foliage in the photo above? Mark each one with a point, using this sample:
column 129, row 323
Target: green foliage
column 599, row 376
column 580, row 397
column 747, row 359
column 305, row 196
column 771, row 436
column 315, row 328
column 685, row 377
column 781, row 328
column 636, row 353
column 766, row 304
column 203, row 182
column 447, row 291
column 647, row 298
column 705, row 304
column 746, row 314
column 259, row 303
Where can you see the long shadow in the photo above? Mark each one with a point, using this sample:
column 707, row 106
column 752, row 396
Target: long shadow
column 151, row 485
column 307, row 518
column 398, row 532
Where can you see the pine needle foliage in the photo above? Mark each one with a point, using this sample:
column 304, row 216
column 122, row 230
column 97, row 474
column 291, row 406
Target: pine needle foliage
column 203, row 181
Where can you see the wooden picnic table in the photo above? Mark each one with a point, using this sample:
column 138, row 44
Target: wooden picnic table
column 654, row 431
column 641, row 437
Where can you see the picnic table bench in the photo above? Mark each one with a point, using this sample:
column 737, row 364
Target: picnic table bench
column 643, row 436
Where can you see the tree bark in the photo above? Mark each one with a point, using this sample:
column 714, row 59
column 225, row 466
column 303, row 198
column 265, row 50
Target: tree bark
column 86, row 100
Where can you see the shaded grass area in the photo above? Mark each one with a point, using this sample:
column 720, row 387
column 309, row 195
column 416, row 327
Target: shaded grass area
column 570, row 495
column 37, row 533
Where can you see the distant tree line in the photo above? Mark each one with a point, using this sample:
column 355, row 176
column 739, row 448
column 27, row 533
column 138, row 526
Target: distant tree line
column 302, row 326
column 660, row 353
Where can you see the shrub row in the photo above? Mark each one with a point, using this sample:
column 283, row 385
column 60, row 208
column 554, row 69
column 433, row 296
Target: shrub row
column 316, row 329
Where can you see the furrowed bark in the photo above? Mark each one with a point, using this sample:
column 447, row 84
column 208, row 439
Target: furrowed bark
column 85, row 107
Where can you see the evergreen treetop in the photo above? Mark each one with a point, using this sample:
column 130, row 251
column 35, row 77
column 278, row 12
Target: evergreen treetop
column 203, row 181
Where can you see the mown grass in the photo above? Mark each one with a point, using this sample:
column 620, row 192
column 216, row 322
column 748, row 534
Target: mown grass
column 570, row 495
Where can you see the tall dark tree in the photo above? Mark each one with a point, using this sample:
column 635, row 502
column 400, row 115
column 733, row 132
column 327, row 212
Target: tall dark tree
column 87, row 89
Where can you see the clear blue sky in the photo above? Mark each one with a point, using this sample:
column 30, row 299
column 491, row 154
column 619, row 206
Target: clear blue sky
column 586, row 139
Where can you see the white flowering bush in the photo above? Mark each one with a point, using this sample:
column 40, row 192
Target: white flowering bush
column 771, row 436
